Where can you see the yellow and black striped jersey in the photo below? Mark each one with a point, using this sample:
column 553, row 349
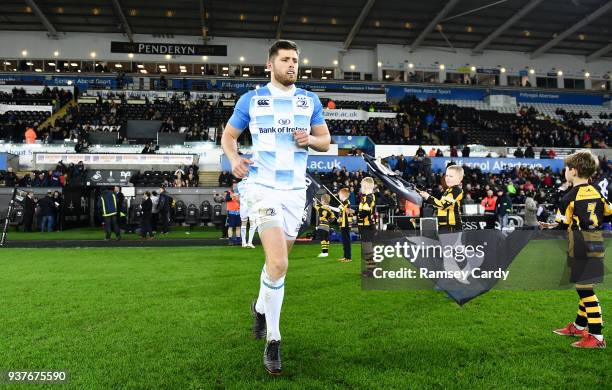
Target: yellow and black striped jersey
column 344, row 219
column 449, row 206
column 367, row 206
column 583, row 208
column 324, row 215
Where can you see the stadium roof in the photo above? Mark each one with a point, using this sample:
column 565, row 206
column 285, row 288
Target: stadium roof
column 579, row 27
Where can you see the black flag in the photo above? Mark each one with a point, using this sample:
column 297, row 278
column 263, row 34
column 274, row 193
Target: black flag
column 394, row 181
column 311, row 191
column 464, row 264
column 497, row 250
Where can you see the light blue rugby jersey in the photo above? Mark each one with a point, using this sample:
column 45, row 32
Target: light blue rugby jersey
column 278, row 162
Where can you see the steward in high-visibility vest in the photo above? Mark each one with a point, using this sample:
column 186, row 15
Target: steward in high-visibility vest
column 109, row 208
column 108, row 203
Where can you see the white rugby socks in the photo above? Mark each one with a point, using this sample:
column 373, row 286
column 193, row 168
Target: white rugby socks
column 271, row 294
column 252, row 231
column 243, row 231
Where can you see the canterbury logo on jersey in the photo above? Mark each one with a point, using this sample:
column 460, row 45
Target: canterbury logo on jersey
column 263, row 103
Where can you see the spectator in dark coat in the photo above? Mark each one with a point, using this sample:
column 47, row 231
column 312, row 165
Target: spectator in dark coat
column 121, row 209
column 503, row 208
column 164, row 209
column 29, row 208
column 47, row 211
column 58, row 202
column 518, row 153
column 146, row 230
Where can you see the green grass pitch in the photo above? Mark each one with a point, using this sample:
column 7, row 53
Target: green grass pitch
column 144, row 318
column 97, row 233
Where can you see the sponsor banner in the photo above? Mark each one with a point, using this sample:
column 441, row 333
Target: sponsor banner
column 179, row 49
column 238, row 86
column 86, row 82
column 113, row 159
column 328, row 163
column 138, row 95
column 26, row 152
column 109, row 177
column 337, row 87
column 553, row 97
column 241, row 86
column 361, row 97
column 83, row 82
column 399, row 92
column 355, row 115
column 496, row 165
column 109, row 82
column 24, row 107
column 317, row 163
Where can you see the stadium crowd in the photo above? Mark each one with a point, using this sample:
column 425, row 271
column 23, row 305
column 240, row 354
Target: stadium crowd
column 429, row 122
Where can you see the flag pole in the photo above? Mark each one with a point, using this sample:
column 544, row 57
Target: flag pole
column 7, row 220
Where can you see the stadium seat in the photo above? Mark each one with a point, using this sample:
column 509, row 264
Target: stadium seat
column 206, row 212
column 180, row 212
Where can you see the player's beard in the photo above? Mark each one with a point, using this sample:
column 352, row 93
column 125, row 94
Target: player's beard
column 285, row 79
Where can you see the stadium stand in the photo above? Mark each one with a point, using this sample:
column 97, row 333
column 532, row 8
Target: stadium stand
column 430, row 121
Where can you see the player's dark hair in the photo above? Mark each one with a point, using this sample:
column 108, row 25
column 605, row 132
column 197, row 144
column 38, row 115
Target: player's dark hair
column 583, row 162
column 282, row 44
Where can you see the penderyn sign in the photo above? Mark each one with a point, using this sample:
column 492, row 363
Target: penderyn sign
column 168, row 48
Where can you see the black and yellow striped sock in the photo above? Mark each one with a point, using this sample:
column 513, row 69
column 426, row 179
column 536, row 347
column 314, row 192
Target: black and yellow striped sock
column 593, row 310
column 324, row 246
column 581, row 316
